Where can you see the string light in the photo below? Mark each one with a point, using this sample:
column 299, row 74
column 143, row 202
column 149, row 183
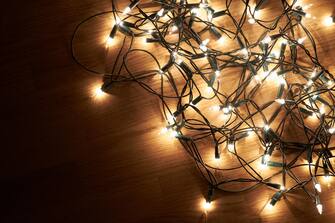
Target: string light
column 273, row 59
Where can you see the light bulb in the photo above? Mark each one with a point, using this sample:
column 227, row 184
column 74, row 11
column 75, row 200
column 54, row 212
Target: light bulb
column 217, row 73
column 280, row 101
column 98, row 93
column 207, row 205
column 330, row 83
column 230, row 147
column 267, row 39
column 215, row 108
column 195, row 11
column 322, row 110
column 319, row 207
column 173, row 133
column 118, row 21
column 221, row 40
column 160, row 12
column 318, row 187
column 126, row 10
column 203, row 45
column 266, row 158
column 174, row 28
column 110, row 40
column 309, row 83
column 328, row 21
column 331, row 130
column 164, row 131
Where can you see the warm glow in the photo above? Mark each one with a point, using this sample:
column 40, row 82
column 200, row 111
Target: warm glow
column 319, row 207
column 328, row 21
column 98, row 93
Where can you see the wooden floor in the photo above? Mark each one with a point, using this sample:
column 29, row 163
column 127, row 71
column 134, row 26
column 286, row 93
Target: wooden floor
column 70, row 157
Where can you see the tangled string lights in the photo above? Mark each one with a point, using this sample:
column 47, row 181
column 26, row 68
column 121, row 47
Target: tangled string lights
column 250, row 108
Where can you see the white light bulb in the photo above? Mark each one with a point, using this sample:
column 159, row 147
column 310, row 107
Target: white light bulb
column 318, row 187
column 110, row 40
column 215, row 108
column 160, row 12
column 266, row 127
column 329, row 21
column 173, row 133
column 174, row 28
column 126, row 10
column 163, row 131
column 309, row 83
column 330, row 83
column 230, row 147
column 221, row 40
column 280, row 101
column 267, row 39
column 266, row 158
column 195, row 11
column 217, row 73
column 281, row 80
column 331, row 130
column 203, row 45
column 319, row 207
column 118, row 21
column 207, row 205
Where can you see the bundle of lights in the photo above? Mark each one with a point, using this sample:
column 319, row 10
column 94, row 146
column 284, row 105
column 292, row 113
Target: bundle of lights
column 251, row 109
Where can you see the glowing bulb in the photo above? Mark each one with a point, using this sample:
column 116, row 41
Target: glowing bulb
column 209, row 89
column 160, row 12
column 207, row 205
column 330, row 83
column 318, row 187
column 98, row 93
column 319, row 207
column 110, row 40
column 221, row 40
column 309, row 83
column 195, row 11
column 164, row 131
column 266, row 127
column 174, row 28
column 217, row 73
column 331, row 130
column 244, row 51
column 322, row 110
column 282, row 187
column 266, row 158
column 280, row 101
column 329, row 21
column 118, row 21
column 226, row 110
column 173, row 133
column 230, row 147
column 267, row 39
column 215, row 108
column 203, row 45
column 126, row 10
